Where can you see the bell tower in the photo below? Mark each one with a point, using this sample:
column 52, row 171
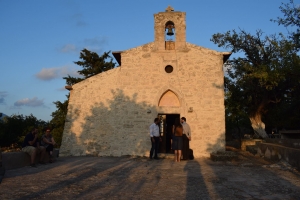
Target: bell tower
column 170, row 30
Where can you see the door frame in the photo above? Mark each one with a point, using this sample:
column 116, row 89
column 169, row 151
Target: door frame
column 165, row 129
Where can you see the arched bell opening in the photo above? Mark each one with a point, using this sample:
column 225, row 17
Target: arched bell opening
column 170, row 31
column 169, row 98
column 170, row 35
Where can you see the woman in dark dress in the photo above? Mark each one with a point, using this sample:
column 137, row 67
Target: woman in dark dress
column 177, row 139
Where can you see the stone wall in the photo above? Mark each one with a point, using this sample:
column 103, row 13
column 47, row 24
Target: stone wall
column 292, row 143
column 249, row 142
column 109, row 114
column 18, row 159
column 277, row 152
column 178, row 18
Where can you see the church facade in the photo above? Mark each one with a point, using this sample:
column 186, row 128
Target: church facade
column 109, row 114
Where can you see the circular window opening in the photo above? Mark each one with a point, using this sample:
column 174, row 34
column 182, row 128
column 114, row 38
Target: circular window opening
column 169, row 69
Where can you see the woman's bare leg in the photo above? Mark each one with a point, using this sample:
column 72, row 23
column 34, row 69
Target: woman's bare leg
column 175, row 155
column 179, row 155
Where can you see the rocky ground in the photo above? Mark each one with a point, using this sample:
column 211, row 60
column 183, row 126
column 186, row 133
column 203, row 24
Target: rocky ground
column 247, row 177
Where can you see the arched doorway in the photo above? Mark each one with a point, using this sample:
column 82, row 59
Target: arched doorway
column 168, row 99
column 166, row 124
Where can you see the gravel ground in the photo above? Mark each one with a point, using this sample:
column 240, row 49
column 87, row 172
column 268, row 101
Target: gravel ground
column 249, row 177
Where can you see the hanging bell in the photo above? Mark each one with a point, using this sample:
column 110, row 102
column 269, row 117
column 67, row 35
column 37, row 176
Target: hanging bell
column 170, row 31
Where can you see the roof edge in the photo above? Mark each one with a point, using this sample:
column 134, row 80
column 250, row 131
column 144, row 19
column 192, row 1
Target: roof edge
column 117, row 55
column 226, row 56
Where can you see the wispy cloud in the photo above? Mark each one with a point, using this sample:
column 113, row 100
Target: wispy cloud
column 78, row 18
column 2, row 95
column 96, row 41
column 72, row 71
column 34, row 102
column 68, row 48
column 95, row 44
column 47, row 74
column 81, row 23
column 62, row 89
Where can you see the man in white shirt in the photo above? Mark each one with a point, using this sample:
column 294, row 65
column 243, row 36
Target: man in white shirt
column 155, row 138
column 186, row 137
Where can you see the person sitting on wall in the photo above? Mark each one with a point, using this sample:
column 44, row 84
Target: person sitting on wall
column 32, row 147
column 48, row 142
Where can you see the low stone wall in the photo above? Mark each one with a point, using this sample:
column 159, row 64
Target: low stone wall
column 249, row 142
column 292, row 143
column 290, row 134
column 13, row 160
column 278, row 152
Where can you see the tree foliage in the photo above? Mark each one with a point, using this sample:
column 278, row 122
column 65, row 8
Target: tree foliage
column 291, row 18
column 263, row 82
column 92, row 64
column 14, row 128
column 291, row 106
column 236, row 118
column 58, row 120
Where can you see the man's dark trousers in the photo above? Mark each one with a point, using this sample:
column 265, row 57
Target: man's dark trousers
column 185, row 147
column 154, row 147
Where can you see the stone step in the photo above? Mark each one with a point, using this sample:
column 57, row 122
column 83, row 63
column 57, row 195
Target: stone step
column 248, row 142
column 166, row 155
column 223, row 156
column 252, row 149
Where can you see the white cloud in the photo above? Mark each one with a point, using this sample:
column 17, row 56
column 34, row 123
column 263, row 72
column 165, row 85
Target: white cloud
column 2, row 95
column 81, row 23
column 62, row 89
column 2, row 100
column 68, row 48
column 72, row 71
column 34, row 102
column 78, row 18
column 93, row 44
column 47, row 74
column 98, row 41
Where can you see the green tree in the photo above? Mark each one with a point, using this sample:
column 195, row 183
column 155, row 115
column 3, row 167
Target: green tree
column 92, row 64
column 11, row 128
column 291, row 106
column 291, row 19
column 57, row 122
column 236, row 117
column 14, row 128
column 260, row 77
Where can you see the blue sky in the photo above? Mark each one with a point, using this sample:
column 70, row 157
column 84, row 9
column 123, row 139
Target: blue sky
column 40, row 40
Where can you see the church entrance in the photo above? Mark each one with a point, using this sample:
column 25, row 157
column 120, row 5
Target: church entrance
column 166, row 124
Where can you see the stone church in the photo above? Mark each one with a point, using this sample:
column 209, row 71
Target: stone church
column 109, row 114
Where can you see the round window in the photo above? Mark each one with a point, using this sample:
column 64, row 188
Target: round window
column 169, row 69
